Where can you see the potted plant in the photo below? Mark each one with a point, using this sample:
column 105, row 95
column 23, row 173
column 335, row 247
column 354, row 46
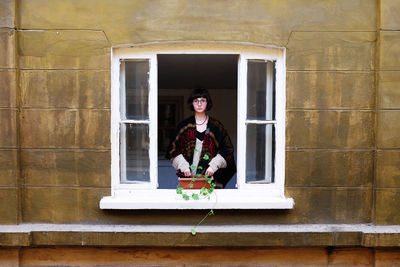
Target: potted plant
column 198, row 181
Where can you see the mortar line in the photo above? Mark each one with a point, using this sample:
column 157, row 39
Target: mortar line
column 328, row 109
column 377, row 68
column 338, row 31
column 68, row 149
column 40, row 69
column 389, row 30
column 313, row 70
column 329, row 149
column 64, row 29
column 8, row 108
column 386, row 188
column 21, row 182
column 63, row 108
column 328, row 187
column 339, row 71
column 67, row 187
column 7, row 28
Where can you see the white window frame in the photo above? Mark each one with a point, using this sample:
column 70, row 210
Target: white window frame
column 247, row 195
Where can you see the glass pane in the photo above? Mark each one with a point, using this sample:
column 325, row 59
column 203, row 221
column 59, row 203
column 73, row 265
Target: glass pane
column 135, row 147
column 260, row 90
column 137, row 89
column 260, row 153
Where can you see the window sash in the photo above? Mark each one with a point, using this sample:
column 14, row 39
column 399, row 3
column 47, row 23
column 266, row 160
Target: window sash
column 119, row 102
column 277, row 119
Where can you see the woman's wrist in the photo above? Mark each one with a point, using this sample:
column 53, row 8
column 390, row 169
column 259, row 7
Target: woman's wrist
column 217, row 162
column 180, row 163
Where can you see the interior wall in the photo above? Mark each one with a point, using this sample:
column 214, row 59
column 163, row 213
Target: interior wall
column 224, row 108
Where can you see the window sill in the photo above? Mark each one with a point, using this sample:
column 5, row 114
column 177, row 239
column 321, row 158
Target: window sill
column 222, row 199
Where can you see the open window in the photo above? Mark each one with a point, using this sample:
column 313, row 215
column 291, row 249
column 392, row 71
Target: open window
column 150, row 85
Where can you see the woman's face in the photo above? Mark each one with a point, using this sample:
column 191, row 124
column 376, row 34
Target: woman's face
column 200, row 104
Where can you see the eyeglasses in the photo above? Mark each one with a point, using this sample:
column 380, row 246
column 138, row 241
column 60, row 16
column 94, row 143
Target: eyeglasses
column 199, row 101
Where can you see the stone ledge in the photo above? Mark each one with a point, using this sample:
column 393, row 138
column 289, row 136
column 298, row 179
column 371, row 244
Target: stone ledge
column 363, row 235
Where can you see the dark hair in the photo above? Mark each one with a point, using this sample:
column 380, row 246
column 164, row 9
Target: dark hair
column 199, row 92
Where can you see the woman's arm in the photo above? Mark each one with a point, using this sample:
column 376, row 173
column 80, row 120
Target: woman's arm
column 180, row 163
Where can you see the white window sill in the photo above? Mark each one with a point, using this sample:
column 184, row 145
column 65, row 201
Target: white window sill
column 221, row 199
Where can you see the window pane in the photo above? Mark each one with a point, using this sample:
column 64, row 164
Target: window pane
column 260, row 152
column 135, row 147
column 260, row 90
column 137, row 89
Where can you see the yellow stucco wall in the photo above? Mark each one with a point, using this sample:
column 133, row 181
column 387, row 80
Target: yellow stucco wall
column 343, row 103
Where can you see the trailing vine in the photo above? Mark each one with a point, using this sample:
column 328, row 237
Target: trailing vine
column 204, row 193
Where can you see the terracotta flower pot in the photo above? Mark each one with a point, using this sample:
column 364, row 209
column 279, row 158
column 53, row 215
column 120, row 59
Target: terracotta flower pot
column 199, row 183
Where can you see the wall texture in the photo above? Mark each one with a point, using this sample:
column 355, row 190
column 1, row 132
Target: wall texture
column 387, row 183
column 62, row 127
column 343, row 104
column 9, row 121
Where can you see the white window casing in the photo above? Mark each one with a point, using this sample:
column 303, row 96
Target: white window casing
column 145, row 195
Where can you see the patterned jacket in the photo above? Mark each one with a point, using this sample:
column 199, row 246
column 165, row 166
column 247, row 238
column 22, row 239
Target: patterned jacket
column 215, row 141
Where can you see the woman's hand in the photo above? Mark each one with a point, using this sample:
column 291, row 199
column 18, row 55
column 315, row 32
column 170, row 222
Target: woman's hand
column 187, row 173
column 210, row 171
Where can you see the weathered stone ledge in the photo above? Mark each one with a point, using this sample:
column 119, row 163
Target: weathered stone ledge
column 363, row 235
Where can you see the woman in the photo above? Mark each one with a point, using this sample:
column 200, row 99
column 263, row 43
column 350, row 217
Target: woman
column 201, row 145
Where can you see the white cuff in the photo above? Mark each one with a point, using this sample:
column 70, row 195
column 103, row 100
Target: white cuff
column 180, row 163
column 217, row 162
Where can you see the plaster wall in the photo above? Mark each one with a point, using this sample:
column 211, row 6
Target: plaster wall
column 9, row 133
column 388, row 116
column 342, row 137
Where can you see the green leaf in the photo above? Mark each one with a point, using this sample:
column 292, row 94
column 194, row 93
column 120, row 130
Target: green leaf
column 185, row 197
column 192, row 167
column 179, row 190
column 199, row 167
column 210, row 190
column 209, row 180
column 206, row 157
column 211, row 212
column 191, row 185
column 193, row 232
column 205, row 175
column 198, row 175
column 203, row 191
column 194, row 179
column 195, row 196
column 196, row 150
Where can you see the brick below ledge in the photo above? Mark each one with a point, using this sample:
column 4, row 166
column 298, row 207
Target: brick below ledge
column 304, row 235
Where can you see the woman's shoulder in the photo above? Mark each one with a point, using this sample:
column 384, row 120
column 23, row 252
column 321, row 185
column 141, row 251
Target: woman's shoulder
column 216, row 123
column 189, row 120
